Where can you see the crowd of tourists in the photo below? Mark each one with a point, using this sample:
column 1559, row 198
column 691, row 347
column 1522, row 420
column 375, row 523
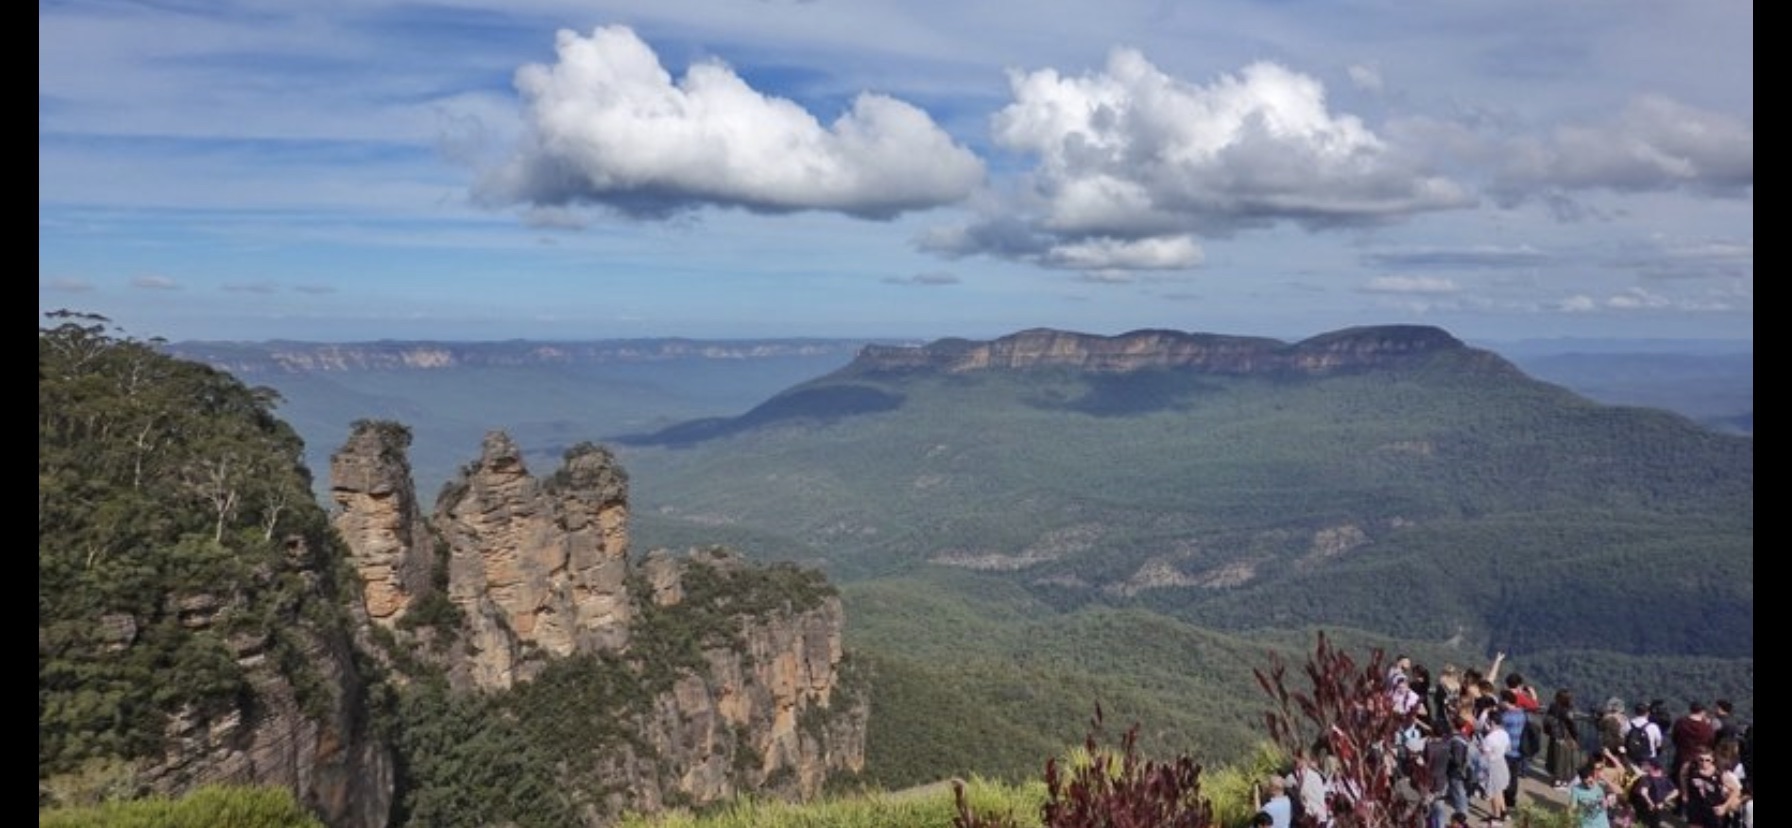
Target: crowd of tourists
column 1468, row 738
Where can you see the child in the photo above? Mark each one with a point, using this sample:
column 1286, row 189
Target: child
column 1652, row 795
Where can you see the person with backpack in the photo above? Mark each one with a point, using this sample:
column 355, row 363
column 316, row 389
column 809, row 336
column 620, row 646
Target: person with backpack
column 1642, row 742
column 1523, row 742
column 1459, row 764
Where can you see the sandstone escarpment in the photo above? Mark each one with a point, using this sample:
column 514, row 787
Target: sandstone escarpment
column 1349, row 349
column 377, row 515
column 311, row 737
column 537, row 571
column 536, row 567
column 767, row 712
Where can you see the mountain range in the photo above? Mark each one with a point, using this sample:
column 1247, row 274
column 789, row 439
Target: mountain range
column 1024, row 525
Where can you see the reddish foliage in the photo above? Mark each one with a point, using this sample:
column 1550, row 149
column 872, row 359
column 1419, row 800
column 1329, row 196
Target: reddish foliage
column 1348, row 711
column 1120, row 790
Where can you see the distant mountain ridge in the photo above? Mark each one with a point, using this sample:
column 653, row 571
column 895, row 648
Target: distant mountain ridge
column 1137, row 489
column 1199, row 468
column 1347, row 349
column 1124, row 360
column 280, row 356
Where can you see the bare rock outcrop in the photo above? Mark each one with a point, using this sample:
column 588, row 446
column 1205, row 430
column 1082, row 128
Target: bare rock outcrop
column 538, row 570
column 767, row 713
column 311, row 737
column 377, row 515
column 537, row 567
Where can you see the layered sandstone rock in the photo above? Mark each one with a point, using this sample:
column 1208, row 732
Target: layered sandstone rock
column 538, row 569
column 378, row 516
column 769, row 714
column 1148, row 349
column 312, row 739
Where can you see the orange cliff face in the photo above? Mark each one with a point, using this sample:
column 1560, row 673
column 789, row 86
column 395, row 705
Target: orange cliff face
column 539, row 569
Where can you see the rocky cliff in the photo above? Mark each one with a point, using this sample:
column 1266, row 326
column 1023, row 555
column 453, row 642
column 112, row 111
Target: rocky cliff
column 310, row 736
column 740, row 670
column 1350, row 349
column 191, row 623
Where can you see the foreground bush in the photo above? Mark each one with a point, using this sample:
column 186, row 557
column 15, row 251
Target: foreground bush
column 1108, row 789
column 927, row 806
column 213, row 806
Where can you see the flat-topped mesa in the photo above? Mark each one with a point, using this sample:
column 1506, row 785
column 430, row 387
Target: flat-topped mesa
column 1147, row 349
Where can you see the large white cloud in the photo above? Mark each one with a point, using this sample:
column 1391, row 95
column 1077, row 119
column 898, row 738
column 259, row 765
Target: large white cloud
column 1132, row 148
column 608, row 125
column 1131, row 159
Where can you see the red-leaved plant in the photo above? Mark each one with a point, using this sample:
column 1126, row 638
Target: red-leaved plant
column 1113, row 790
column 1349, row 711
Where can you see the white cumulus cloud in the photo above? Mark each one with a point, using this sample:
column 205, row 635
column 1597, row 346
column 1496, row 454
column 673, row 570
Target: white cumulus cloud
column 1133, row 151
column 608, row 125
column 1133, row 166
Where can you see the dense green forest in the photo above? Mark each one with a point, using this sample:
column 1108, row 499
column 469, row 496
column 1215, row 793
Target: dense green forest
column 167, row 492
column 987, row 534
column 179, row 541
column 1062, row 529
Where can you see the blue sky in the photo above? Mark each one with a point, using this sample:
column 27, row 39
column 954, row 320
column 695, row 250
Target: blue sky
column 343, row 170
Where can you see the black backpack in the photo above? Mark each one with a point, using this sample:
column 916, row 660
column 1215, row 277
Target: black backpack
column 1637, row 746
column 1461, row 766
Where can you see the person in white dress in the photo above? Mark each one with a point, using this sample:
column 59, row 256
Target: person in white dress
column 1495, row 741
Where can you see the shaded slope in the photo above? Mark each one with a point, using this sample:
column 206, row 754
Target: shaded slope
column 1391, row 479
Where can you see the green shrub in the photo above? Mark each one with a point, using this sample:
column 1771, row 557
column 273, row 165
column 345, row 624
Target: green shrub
column 212, row 806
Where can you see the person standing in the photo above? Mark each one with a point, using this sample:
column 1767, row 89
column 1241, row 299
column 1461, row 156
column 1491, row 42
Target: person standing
column 1523, row 695
column 1406, row 703
column 1460, row 763
column 1564, row 754
column 1495, row 741
column 1310, row 787
column 1723, row 721
column 1512, row 719
column 1707, row 801
column 1276, row 804
column 1418, row 679
column 1611, row 726
column 1642, row 740
column 1446, row 700
column 1590, row 796
column 1693, row 736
